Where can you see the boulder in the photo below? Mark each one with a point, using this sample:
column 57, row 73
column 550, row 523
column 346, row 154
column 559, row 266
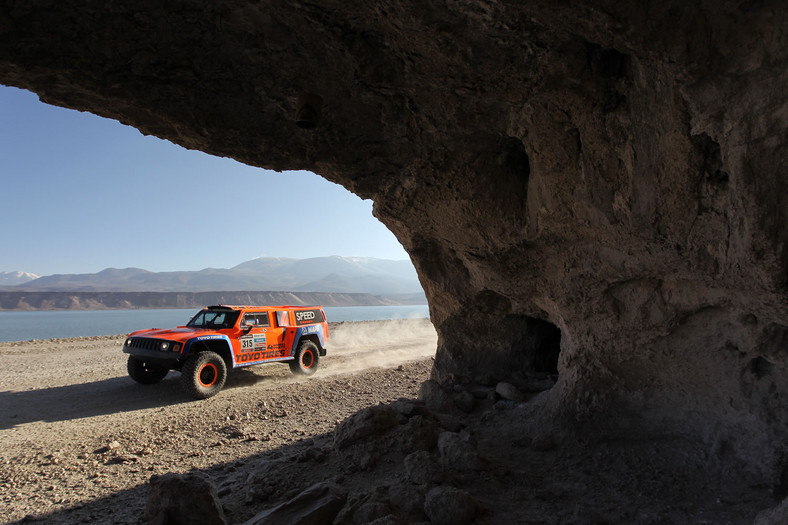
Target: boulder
column 371, row 421
column 183, row 499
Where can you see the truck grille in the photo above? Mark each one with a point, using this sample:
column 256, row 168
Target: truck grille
column 145, row 344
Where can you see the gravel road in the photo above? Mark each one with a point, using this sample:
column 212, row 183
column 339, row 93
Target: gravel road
column 79, row 439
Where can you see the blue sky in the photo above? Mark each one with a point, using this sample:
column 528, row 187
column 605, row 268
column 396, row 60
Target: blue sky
column 80, row 193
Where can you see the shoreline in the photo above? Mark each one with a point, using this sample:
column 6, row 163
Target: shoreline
column 114, row 337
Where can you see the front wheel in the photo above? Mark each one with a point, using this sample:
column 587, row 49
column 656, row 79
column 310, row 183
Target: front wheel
column 306, row 359
column 204, row 374
column 144, row 372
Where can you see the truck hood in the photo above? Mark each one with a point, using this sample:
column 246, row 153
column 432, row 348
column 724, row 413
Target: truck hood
column 172, row 334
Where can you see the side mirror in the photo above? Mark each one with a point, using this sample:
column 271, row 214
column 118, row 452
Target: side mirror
column 249, row 324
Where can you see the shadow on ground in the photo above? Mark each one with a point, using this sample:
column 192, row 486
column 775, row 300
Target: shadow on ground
column 108, row 396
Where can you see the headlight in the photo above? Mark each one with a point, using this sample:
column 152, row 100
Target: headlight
column 128, row 342
column 165, row 345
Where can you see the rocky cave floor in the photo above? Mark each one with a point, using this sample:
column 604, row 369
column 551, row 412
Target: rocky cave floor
column 366, row 440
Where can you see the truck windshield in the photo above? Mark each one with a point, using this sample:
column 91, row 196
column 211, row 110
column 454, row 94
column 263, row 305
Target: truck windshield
column 213, row 319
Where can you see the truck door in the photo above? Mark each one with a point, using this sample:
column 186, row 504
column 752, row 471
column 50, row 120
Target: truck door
column 253, row 339
column 277, row 331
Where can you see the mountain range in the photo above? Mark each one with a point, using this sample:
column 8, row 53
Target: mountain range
column 333, row 274
column 16, row 278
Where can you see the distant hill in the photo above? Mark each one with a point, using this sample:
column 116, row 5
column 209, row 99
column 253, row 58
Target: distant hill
column 16, row 278
column 320, row 274
column 22, row 300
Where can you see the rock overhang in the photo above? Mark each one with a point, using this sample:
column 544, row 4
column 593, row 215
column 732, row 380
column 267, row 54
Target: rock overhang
column 608, row 170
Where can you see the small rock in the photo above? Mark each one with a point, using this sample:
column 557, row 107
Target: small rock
column 119, row 460
column 464, row 401
column 509, row 391
column 112, row 445
column 410, row 407
column 449, row 506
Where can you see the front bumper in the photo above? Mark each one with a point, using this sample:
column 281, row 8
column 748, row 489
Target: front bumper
column 149, row 349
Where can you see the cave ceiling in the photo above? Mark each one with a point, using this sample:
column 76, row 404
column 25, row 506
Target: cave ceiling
column 611, row 170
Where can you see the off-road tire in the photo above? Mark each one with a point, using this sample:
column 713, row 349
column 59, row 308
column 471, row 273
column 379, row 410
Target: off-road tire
column 203, row 374
column 307, row 358
column 145, row 373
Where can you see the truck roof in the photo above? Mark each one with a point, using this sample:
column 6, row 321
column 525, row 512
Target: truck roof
column 264, row 307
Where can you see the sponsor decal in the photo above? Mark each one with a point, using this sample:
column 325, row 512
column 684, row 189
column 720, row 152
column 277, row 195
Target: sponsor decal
column 303, row 317
column 206, row 337
column 257, row 356
column 277, row 349
column 250, row 343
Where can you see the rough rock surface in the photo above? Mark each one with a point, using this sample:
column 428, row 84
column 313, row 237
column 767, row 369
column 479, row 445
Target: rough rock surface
column 601, row 177
column 317, row 505
column 449, row 506
column 183, row 499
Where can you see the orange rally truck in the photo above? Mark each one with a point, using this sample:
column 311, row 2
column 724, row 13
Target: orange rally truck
column 222, row 337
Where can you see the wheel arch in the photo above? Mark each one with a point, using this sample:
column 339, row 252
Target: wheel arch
column 309, row 337
column 219, row 346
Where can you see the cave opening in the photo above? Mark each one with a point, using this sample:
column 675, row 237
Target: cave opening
column 547, row 348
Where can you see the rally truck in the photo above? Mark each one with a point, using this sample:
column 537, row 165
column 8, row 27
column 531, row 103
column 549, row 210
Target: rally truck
column 220, row 338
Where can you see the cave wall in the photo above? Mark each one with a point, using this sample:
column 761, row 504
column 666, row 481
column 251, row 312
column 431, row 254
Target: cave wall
column 613, row 170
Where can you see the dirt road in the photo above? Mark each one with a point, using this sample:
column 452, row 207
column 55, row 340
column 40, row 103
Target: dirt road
column 79, row 439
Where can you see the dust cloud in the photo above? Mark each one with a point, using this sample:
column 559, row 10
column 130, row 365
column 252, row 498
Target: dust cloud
column 358, row 346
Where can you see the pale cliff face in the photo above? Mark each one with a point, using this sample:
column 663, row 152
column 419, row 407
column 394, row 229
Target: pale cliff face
column 613, row 173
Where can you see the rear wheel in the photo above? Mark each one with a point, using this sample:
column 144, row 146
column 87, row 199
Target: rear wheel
column 203, row 374
column 306, row 359
column 144, row 372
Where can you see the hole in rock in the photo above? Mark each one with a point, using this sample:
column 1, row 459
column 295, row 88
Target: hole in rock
column 547, row 337
column 760, row 367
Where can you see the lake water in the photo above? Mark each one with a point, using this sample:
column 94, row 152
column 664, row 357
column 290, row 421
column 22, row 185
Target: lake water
column 23, row 326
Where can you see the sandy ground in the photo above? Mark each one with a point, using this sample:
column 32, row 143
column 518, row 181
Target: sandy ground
column 79, row 439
